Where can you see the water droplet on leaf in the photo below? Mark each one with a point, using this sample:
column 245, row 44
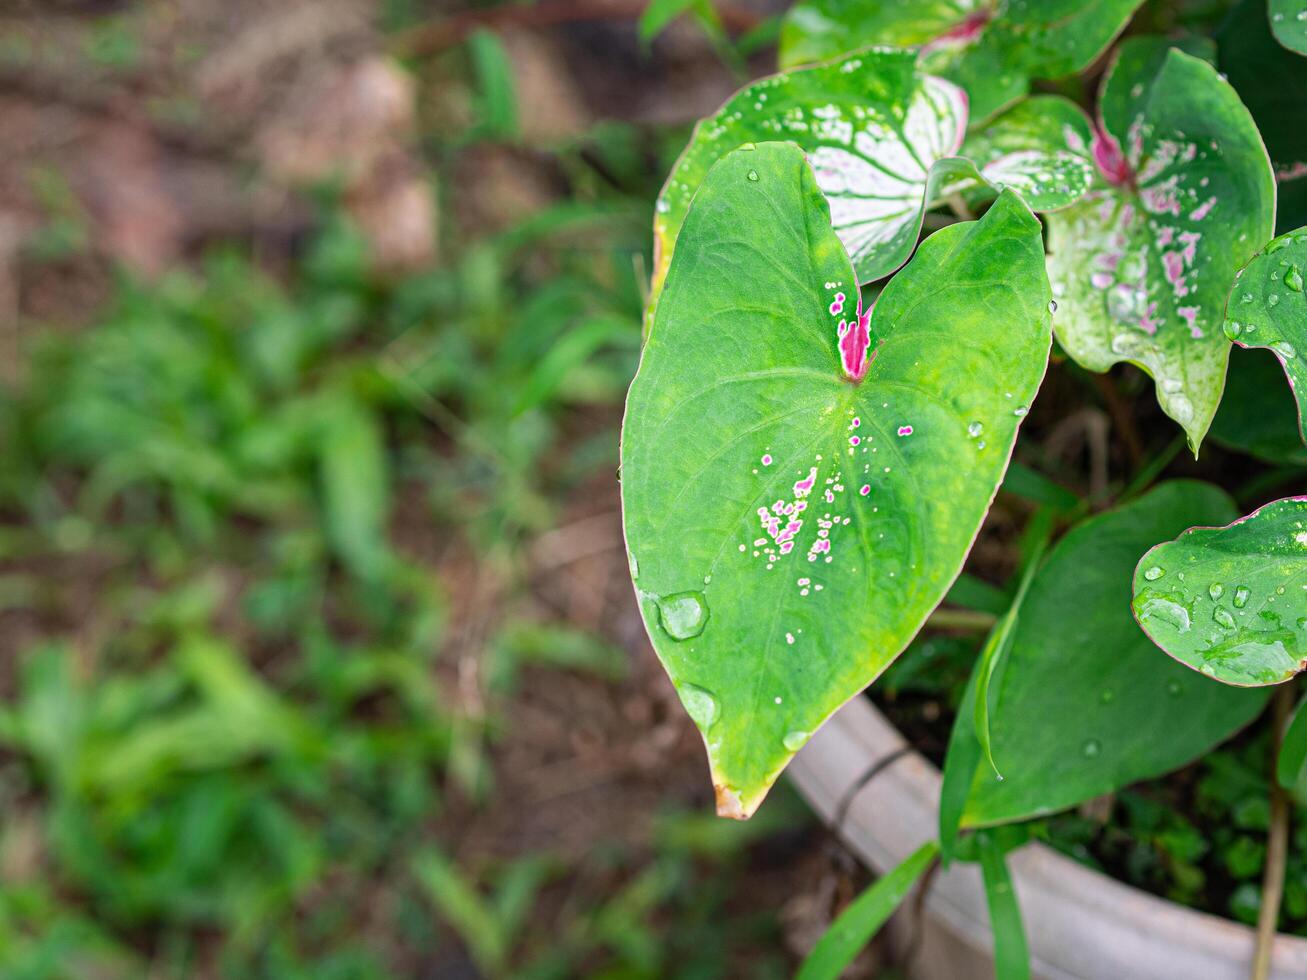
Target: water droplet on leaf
column 1241, row 595
column 794, row 741
column 1154, row 573
column 1091, row 748
column 700, row 705
column 1223, row 617
column 1293, row 279
column 752, row 175
column 683, row 615
column 1216, row 590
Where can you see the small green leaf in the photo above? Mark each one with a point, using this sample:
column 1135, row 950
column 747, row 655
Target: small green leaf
column 658, row 14
column 1011, row 954
column 796, row 502
column 1268, row 308
column 355, row 487
column 961, row 761
column 1039, row 148
column 862, row 919
column 1289, row 23
column 991, row 55
column 874, row 130
column 1000, row 638
column 1084, row 704
column 497, row 112
column 1293, row 749
column 1231, row 601
column 1141, row 269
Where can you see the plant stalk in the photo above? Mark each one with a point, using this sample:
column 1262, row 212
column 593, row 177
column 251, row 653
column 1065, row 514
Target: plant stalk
column 1277, row 843
column 962, row 619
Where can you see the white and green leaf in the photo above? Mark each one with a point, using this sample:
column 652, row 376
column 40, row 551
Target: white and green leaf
column 1141, row 268
column 993, row 51
column 1039, row 148
column 876, row 131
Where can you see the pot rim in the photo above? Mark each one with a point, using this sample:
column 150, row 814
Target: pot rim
column 1076, row 918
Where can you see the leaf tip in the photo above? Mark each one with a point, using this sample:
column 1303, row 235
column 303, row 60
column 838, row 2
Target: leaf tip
column 730, row 805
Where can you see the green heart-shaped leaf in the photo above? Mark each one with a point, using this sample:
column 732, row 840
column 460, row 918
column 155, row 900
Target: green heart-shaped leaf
column 1268, row 308
column 1084, row 703
column 992, row 54
column 1289, row 23
column 802, row 478
column 1231, row 601
column 1039, row 148
column 1141, row 269
column 876, row 133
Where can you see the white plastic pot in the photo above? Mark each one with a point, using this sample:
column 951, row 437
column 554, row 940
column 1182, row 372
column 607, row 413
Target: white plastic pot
column 1079, row 923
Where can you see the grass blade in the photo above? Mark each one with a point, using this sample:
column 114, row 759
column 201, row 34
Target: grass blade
column 1011, row 955
column 855, row 926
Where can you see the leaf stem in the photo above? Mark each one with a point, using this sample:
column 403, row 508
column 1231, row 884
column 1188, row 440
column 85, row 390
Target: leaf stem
column 972, row 620
column 1276, row 843
column 959, row 207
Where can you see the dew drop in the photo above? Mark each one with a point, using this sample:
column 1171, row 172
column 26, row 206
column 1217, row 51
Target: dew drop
column 1223, row 617
column 1216, row 590
column 1285, row 350
column 975, row 429
column 635, row 567
column 1293, row 279
column 700, row 705
column 1052, row 306
column 1021, row 410
column 1154, row 573
column 1091, row 748
column 752, row 175
column 1168, row 611
column 794, row 741
column 1241, row 595
column 683, row 615
column 1233, row 328
column 1246, row 298
column 1208, row 669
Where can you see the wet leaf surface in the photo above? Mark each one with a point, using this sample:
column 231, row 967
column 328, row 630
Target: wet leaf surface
column 1267, row 308
column 790, row 527
column 876, row 133
column 1086, row 704
column 1231, row 602
column 992, row 56
column 1141, row 269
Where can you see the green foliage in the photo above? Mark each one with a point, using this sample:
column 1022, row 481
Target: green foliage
column 885, row 481
column 1254, row 317
column 1086, row 705
column 864, row 916
column 1231, row 602
column 1141, row 269
column 992, row 53
column 240, row 725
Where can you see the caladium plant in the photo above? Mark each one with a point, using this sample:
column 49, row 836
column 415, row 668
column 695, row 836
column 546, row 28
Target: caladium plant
column 1142, row 267
column 992, row 48
column 860, row 266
